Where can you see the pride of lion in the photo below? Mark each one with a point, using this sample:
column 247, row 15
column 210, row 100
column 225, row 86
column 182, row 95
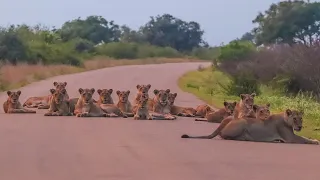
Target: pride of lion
column 243, row 120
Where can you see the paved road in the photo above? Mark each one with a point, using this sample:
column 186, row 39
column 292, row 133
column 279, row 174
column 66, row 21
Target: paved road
column 34, row 147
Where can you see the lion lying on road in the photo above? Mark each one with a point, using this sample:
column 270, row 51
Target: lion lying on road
column 105, row 102
column 58, row 105
column 42, row 102
column 161, row 106
column 141, row 110
column 218, row 116
column 85, row 106
column 13, row 105
column 178, row 110
column 202, row 110
column 276, row 128
column 124, row 104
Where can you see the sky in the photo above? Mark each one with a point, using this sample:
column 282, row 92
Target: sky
column 222, row 20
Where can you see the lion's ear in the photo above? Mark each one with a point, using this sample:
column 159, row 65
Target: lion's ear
column 110, row 91
column 138, row 86
column 156, row 91
column 288, row 112
column 65, row 83
column 149, row 86
column 268, row 105
column 118, row 92
column 128, row 92
column 99, row 91
column 55, row 83
column 9, row 93
column 80, row 90
column 242, row 96
column 253, row 95
column 92, row 90
column 225, row 103
column 168, row 91
column 235, row 103
column 19, row 92
column 175, row 95
column 255, row 108
column 52, row 91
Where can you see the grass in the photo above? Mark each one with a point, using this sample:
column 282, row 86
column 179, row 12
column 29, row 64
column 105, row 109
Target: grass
column 12, row 77
column 205, row 85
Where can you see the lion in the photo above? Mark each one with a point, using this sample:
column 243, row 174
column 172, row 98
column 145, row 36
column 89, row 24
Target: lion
column 262, row 112
column 106, row 103
column 161, row 105
column 178, row 110
column 85, row 106
column 245, row 106
column 42, row 102
column 141, row 110
column 219, row 115
column 142, row 89
column 58, row 105
column 202, row 109
column 13, row 105
column 276, row 128
column 124, row 104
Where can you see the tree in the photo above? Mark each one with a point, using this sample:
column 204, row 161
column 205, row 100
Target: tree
column 248, row 36
column 167, row 30
column 289, row 22
column 129, row 35
column 94, row 28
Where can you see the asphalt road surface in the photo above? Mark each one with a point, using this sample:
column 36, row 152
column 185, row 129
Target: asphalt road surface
column 34, row 147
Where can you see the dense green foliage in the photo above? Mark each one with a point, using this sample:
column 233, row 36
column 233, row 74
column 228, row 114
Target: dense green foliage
column 78, row 39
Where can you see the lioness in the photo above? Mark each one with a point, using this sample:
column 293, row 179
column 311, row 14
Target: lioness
column 42, row 102
column 245, row 106
column 85, row 106
column 276, row 128
column 218, row 116
column 124, row 104
column 262, row 112
column 58, row 105
column 106, row 103
column 142, row 89
column 13, row 105
column 178, row 110
column 202, row 110
column 161, row 105
column 140, row 110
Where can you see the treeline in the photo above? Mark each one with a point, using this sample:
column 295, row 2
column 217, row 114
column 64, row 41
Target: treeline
column 282, row 52
column 79, row 39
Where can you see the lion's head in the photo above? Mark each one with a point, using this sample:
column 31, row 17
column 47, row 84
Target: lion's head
column 262, row 112
column 123, row 96
column 58, row 95
column 86, row 94
column 161, row 96
column 60, row 85
column 172, row 98
column 229, row 107
column 143, row 88
column 294, row 119
column 143, row 101
column 247, row 100
column 13, row 97
column 105, row 95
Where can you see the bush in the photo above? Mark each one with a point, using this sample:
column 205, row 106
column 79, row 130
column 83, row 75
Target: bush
column 236, row 51
column 242, row 84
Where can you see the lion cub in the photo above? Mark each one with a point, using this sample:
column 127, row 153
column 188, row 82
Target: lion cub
column 219, row 115
column 124, row 104
column 142, row 89
column 202, row 110
column 178, row 110
column 58, row 105
column 106, row 103
column 245, row 107
column 262, row 112
column 140, row 110
column 13, row 105
column 85, row 106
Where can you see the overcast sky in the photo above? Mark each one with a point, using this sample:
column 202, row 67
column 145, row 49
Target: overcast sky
column 222, row 20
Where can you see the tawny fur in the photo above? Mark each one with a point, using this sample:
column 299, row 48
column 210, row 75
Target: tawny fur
column 124, row 104
column 219, row 115
column 58, row 105
column 178, row 110
column 13, row 105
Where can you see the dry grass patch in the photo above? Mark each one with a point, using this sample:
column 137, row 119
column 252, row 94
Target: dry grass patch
column 12, row 77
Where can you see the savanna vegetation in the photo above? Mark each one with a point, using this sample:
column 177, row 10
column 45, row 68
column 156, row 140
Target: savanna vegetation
column 29, row 53
column 278, row 60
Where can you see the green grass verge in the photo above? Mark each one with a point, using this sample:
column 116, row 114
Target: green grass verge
column 205, row 85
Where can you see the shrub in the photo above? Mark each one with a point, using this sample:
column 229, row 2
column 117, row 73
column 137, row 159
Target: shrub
column 236, row 51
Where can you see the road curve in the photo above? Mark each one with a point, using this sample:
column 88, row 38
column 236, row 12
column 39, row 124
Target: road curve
column 34, row 147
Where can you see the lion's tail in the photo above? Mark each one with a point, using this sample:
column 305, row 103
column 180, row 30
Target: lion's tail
column 214, row 134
